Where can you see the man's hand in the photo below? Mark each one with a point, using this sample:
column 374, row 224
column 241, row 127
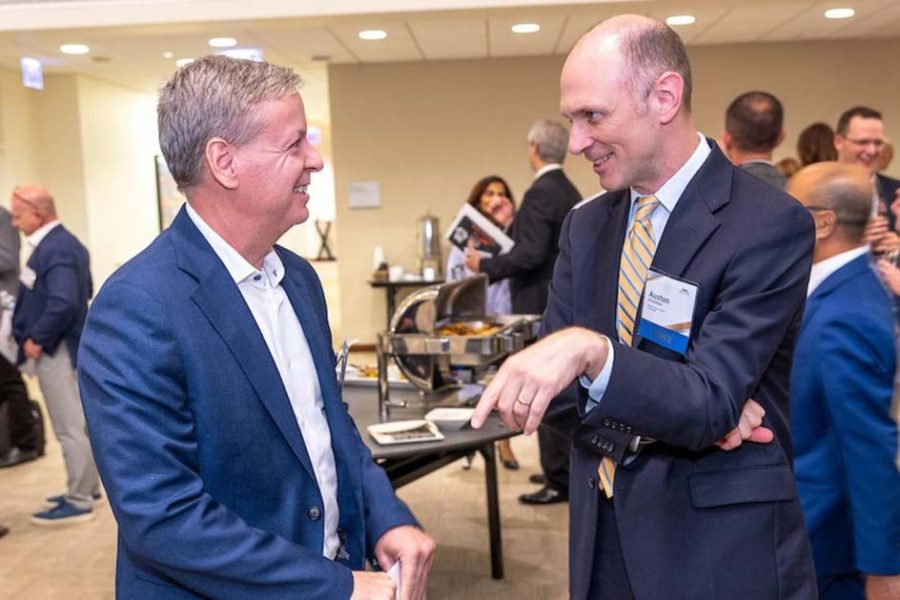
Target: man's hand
column 879, row 236
column 415, row 552
column 369, row 585
column 749, row 428
column 473, row 259
column 882, row 587
column 890, row 275
column 32, row 349
column 530, row 379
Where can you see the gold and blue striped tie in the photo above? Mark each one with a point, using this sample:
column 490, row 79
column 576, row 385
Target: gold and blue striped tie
column 637, row 254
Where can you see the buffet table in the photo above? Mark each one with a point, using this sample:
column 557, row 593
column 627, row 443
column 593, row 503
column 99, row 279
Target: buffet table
column 405, row 463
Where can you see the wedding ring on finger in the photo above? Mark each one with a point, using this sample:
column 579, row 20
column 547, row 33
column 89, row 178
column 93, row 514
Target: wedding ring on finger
column 522, row 402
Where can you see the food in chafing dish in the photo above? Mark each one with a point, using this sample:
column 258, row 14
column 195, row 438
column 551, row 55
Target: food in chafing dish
column 468, row 328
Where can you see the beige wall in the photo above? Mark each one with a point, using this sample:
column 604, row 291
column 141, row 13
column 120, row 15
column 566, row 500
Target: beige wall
column 18, row 144
column 119, row 174
column 428, row 131
column 92, row 145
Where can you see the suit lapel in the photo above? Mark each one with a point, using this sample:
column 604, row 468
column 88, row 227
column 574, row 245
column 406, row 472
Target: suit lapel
column 219, row 299
column 608, row 252
column 693, row 221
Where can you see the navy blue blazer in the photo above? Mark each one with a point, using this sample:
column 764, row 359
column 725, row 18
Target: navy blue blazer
column 535, row 230
column 199, row 450
column 53, row 311
column 844, row 437
column 694, row 521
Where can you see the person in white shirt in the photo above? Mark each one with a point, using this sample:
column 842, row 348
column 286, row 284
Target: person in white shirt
column 208, row 376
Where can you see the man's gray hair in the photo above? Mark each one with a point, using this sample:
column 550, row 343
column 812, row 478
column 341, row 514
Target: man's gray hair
column 214, row 97
column 551, row 139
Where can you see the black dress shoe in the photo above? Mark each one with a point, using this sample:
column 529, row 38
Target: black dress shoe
column 3, row 530
column 511, row 464
column 538, row 479
column 545, row 495
column 16, row 457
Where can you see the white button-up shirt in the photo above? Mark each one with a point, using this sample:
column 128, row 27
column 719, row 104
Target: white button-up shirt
column 290, row 351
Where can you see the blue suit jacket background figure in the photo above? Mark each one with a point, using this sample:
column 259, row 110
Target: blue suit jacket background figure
column 844, row 437
column 53, row 311
column 205, row 466
column 694, row 522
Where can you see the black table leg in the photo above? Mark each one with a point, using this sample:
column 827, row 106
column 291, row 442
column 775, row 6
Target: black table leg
column 493, row 506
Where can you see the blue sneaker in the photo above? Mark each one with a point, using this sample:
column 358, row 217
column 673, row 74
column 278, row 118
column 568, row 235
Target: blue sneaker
column 65, row 512
column 53, row 501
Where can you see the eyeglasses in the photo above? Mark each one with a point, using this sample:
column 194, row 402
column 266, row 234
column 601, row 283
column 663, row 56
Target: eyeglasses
column 877, row 143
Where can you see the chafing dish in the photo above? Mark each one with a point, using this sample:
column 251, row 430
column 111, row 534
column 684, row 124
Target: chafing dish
column 441, row 334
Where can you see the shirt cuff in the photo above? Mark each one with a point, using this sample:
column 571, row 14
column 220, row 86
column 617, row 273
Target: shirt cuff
column 597, row 388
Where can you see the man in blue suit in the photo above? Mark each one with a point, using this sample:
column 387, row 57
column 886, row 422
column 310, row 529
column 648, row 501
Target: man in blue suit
column 232, row 466
column 845, row 441
column 51, row 307
column 675, row 298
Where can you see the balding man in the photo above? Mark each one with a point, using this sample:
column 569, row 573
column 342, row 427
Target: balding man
column 753, row 129
column 51, row 308
column 845, row 440
column 676, row 297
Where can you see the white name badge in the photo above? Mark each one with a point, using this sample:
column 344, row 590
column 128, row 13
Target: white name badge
column 27, row 276
column 667, row 311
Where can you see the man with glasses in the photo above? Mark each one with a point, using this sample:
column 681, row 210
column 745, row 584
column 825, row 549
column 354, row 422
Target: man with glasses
column 859, row 139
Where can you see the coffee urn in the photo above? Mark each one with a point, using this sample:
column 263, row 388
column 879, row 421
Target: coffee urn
column 428, row 244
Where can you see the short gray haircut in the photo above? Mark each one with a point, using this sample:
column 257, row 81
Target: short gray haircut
column 551, row 139
column 214, row 97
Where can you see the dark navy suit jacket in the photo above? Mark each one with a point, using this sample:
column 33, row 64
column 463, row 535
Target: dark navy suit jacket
column 844, row 437
column 54, row 310
column 535, row 230
column 695, row 522
column 199, row 450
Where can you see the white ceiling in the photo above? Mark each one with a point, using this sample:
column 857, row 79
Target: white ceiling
column 132, row 54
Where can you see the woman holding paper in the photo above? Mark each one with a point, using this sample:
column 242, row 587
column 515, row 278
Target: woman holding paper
column 491, row 197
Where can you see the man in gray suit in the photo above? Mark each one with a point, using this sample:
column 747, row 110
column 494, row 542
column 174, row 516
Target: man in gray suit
column 753, row 129
column 23, row 443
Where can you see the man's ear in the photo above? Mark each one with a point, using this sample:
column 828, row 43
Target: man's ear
column 667, row 93
column 826, row 221
column 219, row 157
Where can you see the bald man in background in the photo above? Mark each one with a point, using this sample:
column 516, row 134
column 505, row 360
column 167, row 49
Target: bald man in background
column 845, row 439
column 51, row 308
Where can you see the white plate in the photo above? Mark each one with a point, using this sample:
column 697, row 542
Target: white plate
column 405, row 432
column 449, row 418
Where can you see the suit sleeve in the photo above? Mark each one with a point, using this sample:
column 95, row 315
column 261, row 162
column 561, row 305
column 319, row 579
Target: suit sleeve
column 857, row 359
column 534, row 229
column 135, row 394
column 9, row 245
column 758, row 301
column 60, row 283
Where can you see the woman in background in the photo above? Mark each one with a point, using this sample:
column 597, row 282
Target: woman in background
column 816, row 144
column 491, row 197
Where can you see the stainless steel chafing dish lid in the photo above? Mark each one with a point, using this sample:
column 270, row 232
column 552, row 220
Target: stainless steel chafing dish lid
column 422, row 310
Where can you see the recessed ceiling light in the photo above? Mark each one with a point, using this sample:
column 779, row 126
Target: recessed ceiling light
column 74, row 48
column 372, row 34
column 181, row 62
column 222, row 42
column 168, row 55
column 526, row 28
column 839, row 13
column 676, row 20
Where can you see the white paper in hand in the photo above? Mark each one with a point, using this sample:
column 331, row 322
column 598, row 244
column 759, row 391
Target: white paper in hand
column 394, row 574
